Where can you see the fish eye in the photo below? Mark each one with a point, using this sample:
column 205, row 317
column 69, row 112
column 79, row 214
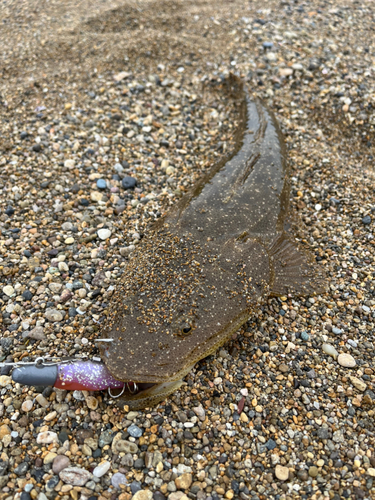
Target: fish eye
column 186, row 329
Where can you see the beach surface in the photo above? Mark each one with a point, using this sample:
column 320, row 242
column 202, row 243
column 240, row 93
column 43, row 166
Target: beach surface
column 110, row 111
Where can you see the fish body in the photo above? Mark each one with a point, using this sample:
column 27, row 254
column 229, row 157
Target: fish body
column 201, row 270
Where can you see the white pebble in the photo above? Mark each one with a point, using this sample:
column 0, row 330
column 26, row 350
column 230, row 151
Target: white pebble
column 346, row 360
column 8, row 290
column 69, row 164
column 330, row 350
column 101, row 469
column 47, row 437
column 27, row 405
column 104, row 234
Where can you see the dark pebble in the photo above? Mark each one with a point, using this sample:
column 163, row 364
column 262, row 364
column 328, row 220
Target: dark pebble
column 24, row 135
column 21, row 469
column 129, row 182
column 9, row 210
column 72, row 312
column 25, row 496
column 27, row 295
column 38, row 474
column 139, row 463
column 84, row 202
column 63, row 436
column 3, row 468
column 52, row 483
column 97, row 453
column 271, row 444
column 158, row 495
column 37, row 148
column 366, row 220
column 135, row 486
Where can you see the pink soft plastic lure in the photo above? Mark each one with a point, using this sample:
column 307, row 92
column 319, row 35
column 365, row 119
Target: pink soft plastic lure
column 71, row 376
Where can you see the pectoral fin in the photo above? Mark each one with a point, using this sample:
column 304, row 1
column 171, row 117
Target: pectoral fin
column 293, row 269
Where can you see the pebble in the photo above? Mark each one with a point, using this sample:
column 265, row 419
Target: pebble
column 101, row 469
column 27, row 405
column 101, row 184
column 60, row 462
column 8, row 290
column 5, row 380
column 134, row 431
column 75, row 476
column 346, row 360
column 313, row 471
column 104, row 234
column 330, row 350
column 46, row 437
column 282, row 472
column 128, row 182
column 118, row 479
column 184, row 481
column 358, row 384
column 53, row 315
column 143, row 495
column 366, row 220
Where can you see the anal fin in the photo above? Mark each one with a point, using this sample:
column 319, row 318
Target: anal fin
column 293, row 269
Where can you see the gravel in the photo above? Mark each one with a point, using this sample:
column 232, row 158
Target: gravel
column 110, row 113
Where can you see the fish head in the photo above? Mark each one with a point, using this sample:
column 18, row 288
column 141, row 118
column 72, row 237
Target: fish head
column 177, row 302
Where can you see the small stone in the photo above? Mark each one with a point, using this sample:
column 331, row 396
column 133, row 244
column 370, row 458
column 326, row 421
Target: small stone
column 69, row 241
column 47, row 437
column 346, row 360
column 117, row 479
column 135, row 431
column 128, row 182
column 366, row 220
column 36, row 333
column 305, row 336
column 104, row 234
column 27, row 405
column 281, row 472
column 101, row 469
column 285, row 71
column 49, row 458
column 313, row 471
column 126, row 447
column 75, row 476
column 69, row 163
column 371, row 471
column 5, row 380
column 184, row 481
column 60, row 462
column 53, row 315
column 8, row 290
column 358, row 383
column 101, row 184
column 4, row 431
column 330, row 350
column 92, row 402
column 336, row 330
column 283, row 368
column 143, row 495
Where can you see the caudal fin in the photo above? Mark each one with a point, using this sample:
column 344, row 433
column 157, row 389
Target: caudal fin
column 293, row 269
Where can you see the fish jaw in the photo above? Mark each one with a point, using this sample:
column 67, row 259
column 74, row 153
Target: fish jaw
column 148, row 397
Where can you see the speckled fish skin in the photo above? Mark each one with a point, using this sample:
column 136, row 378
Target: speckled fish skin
column 203, row 269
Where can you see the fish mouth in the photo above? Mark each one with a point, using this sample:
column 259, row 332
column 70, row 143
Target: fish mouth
column 139, row 395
